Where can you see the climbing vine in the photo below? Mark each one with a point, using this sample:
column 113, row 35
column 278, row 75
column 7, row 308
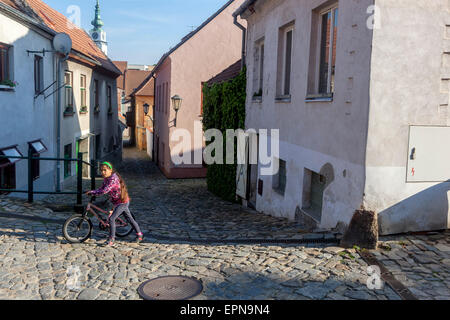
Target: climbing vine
column 223, row 109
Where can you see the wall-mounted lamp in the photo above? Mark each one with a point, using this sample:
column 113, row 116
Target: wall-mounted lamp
column 176, row 103
column 146, row 110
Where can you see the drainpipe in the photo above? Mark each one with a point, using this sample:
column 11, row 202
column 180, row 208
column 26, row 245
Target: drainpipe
column 154, row 118
column 58, row 122
column 244, row 36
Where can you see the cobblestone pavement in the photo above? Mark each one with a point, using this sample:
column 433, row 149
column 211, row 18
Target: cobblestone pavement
column 37, row 262
column 420, row 262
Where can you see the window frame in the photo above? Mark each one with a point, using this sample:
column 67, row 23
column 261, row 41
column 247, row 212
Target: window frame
column 5, row 72
column 68, row 164
column 288, row 29
column 259, row 72
column 96, row 95
column 38, row 74
column 68, row 92
column 329, row 9
column 283, row 32
column 167, row 98
column 109, row 97
column 164, row 102
column 83, row 93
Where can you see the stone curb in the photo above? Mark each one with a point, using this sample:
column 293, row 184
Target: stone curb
column 387, row 276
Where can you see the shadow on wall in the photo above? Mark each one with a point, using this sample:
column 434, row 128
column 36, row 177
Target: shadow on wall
column 424, row 211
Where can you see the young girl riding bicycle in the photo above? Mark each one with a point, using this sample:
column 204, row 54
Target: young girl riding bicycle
column 114, row 185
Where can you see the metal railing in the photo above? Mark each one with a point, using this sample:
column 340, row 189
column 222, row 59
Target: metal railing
column 31, row 192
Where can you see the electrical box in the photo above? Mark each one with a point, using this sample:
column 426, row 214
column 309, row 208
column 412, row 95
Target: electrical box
column 429, row 154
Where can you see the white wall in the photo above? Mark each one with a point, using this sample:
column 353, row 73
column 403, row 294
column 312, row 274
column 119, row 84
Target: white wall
column 410, row 62
column 23, row 118
column 313, row 134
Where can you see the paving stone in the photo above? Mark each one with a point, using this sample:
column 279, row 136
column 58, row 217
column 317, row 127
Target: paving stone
column 314, row 291
column 88, row 294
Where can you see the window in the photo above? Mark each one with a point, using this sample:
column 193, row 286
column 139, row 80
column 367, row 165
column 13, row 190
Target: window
column 98, row 150
column 313, row 188
column 37, row 147
column 96, row 96
column 279, row 180
column 4, row 63
column 322, row 68
column 67, row 164
column 68, row 81
column 201, row 102
column 329, row 26
column 167, row 98
column 164, row 98
column 158, row 106
column 285, row 60
column 258, row 70
column 8, row 168
column 83, row 93
column 287, row 63
column 261, row 69
column 38, row 74
column 109, row 95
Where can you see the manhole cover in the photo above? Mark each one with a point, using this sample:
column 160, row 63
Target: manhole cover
column 170, row 288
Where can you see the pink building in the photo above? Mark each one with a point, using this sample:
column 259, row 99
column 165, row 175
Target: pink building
column 201, row 55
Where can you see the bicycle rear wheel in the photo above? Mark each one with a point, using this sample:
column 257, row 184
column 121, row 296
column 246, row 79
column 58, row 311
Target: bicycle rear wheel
column 123, row 226
column 77, row 229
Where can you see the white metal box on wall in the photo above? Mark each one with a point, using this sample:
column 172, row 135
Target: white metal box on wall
column 429, row 154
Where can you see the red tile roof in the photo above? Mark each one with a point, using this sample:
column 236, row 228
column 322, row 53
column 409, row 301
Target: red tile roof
column 148, row 89
column 123, row 66
column 81, row 41
column 133, row 78
column 227, row 74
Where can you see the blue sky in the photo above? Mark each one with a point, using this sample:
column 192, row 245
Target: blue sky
column 141, row 31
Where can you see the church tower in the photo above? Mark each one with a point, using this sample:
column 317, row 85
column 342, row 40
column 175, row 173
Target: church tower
column 98, row 34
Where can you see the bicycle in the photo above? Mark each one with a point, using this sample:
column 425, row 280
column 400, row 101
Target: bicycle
column 78, row 228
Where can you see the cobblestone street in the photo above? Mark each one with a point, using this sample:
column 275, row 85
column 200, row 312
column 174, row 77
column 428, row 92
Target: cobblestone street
column 191, row 232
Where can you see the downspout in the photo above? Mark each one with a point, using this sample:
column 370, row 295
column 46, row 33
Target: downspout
column 58, row 122
column 154, row 118
column 244, row 37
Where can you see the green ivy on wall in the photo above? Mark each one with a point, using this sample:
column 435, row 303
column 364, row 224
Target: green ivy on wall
column 224, row 108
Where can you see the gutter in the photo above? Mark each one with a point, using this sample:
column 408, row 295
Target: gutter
column 244, row 39
column 27, row 20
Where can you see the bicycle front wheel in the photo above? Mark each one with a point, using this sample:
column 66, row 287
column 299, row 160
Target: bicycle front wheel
column 77, row 229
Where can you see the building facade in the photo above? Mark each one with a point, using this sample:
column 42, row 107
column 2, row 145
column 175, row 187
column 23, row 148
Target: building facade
column 27, row 119
column 82, row 86
column 143, row 97
column 354, row 100
column 202, row 54
column 134, row 94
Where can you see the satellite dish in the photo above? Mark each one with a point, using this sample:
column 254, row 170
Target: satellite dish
column 62, row 43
